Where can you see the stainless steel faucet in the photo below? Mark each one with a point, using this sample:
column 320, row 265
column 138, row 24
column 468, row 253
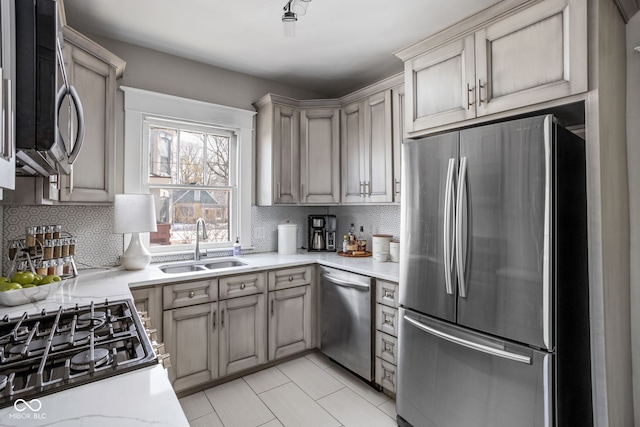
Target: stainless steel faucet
column 200, row 221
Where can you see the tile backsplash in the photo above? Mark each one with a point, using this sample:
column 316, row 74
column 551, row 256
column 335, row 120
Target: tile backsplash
column 99, row 246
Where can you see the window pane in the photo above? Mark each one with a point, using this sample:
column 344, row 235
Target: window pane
column 161, row 148
column 177, row 211
column 191, row 160
column 217, row 167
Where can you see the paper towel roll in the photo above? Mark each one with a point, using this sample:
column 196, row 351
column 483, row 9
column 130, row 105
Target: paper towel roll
column 287, row 238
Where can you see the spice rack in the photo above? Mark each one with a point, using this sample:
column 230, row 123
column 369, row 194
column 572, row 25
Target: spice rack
column 44, row 250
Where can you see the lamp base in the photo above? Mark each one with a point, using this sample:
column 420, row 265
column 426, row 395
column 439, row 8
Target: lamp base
column 136, row 257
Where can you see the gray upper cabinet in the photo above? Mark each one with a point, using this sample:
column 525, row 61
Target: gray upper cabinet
column 277, row 144
column 93, row 71
column 367, row 161
column 320, row 156
column 526, row 57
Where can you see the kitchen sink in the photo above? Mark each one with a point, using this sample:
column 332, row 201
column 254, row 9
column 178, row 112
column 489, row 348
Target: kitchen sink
column 200, row 266
column 223, row 264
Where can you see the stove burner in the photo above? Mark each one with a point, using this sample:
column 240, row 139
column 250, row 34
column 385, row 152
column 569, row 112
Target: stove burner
column 82, row 360
column 86, row 320
column 81, row 337
column 39, row 345
column 3, row 381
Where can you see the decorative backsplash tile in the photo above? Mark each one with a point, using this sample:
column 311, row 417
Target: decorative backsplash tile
column 98, row 246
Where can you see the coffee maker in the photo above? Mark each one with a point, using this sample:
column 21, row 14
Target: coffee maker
column 322, row 232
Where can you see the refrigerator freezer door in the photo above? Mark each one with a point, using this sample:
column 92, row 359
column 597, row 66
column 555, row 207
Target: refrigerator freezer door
column 506, row 216
column 451, row 377
column 427, row 276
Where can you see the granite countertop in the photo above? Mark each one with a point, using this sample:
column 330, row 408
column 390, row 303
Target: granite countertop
column 149, row 397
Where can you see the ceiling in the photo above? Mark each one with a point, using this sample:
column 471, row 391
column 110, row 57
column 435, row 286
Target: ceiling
column 340, row 45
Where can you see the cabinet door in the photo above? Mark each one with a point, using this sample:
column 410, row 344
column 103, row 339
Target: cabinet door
column 377, row 155
column 149, row 300
column 320, row 156
column 398, row 113
column 289, row 321
column 93, row 176
column 242, row 333
column 191, row 338
column 440, row 86
column 352, row 146
column 286, row 158
column 533, row 56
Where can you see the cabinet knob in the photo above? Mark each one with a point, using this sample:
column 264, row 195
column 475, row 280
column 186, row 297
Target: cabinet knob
column 242, row 286
column 192, row 294
column 291, row 278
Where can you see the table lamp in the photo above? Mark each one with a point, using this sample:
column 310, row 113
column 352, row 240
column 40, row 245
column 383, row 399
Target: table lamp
column 134, row 213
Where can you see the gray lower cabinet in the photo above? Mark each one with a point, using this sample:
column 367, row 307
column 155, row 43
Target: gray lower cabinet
column 289, row 321
column 191, row 339
column 148, row 300
column 242, row 333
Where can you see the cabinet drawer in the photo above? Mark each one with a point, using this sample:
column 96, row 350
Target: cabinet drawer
column 290, row 277
column 244, row 284
column 387, row 293
column 386, row 375
column 189, row 293
column 387, row 347
column 387, row 319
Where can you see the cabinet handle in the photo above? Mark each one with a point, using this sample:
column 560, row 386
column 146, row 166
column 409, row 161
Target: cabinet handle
column 480, row 87
column 192, row 294
column 469, row 90
column 215, row 312
column 278, row 190
column 367, row 187
column 361, row 188
column 222, row 319
column 397, row 187
column 272, row 302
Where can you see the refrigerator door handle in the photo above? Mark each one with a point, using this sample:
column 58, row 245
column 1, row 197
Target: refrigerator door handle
column 469, row 344
column 448, row 212
column 461, row 227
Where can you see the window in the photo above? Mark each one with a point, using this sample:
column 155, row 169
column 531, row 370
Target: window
column 190, row 174
column 195, row 158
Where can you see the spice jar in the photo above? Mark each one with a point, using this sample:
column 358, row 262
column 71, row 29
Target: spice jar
column 65, row 246
column 57, row 231
column 48, row 249
column 48, row 232
column 72, row 246
column 59, row 267
column 13, row 249
column 42, row 267
column 67, row 265
column 30, row 238
column 51, row 267
column 57, row 248
column 39, row 235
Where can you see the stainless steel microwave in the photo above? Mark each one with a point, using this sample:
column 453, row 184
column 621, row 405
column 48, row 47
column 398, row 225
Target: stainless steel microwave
column 42, row 89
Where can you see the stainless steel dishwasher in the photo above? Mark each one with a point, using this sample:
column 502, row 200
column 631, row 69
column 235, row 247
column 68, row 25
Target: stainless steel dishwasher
column 345, row 320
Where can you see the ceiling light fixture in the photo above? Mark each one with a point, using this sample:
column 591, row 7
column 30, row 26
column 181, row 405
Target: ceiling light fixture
column 292, row 9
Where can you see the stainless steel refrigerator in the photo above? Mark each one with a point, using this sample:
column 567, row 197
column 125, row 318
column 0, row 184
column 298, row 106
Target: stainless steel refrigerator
column 494, row 303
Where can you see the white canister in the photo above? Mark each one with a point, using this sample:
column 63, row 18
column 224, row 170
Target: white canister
column 394, row 251
column 380, row 244
column 287, row 239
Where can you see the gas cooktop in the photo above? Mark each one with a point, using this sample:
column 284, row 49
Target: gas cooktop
column 52, row 351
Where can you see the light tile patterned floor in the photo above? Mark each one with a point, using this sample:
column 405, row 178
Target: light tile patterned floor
column 305, row 392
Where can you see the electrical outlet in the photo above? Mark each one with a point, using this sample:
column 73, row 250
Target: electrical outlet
column 258, row 233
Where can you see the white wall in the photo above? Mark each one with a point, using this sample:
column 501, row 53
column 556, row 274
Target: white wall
column 633, row 161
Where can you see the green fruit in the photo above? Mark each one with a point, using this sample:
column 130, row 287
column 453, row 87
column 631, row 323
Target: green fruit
column 23, row 277
column 9, row 286
column 3, row 279
column 30, row 285
column 48, row 279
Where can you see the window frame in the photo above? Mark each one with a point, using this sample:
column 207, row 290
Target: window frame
column 142, row 107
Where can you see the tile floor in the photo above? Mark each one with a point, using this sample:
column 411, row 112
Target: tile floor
column 308, row 391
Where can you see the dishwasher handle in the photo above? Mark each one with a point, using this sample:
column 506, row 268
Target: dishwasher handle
column 345, row 284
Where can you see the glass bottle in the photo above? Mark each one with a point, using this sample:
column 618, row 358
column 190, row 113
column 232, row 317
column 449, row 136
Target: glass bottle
column 57, row 248
column 72, row 246
column 57, row 231
column 362, row 241
column 30, row 239
column 59, row 267
column 39, row 235
column 51, row 267
column 65, row 246
column 48, row 232
column 345, row 243
column 42, row 267
column 13, row 249
column 48, row 249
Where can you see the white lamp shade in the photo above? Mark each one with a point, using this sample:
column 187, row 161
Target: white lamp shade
column 134, row 213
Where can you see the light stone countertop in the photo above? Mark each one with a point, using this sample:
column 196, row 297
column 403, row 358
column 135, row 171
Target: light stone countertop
column 145, row 396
